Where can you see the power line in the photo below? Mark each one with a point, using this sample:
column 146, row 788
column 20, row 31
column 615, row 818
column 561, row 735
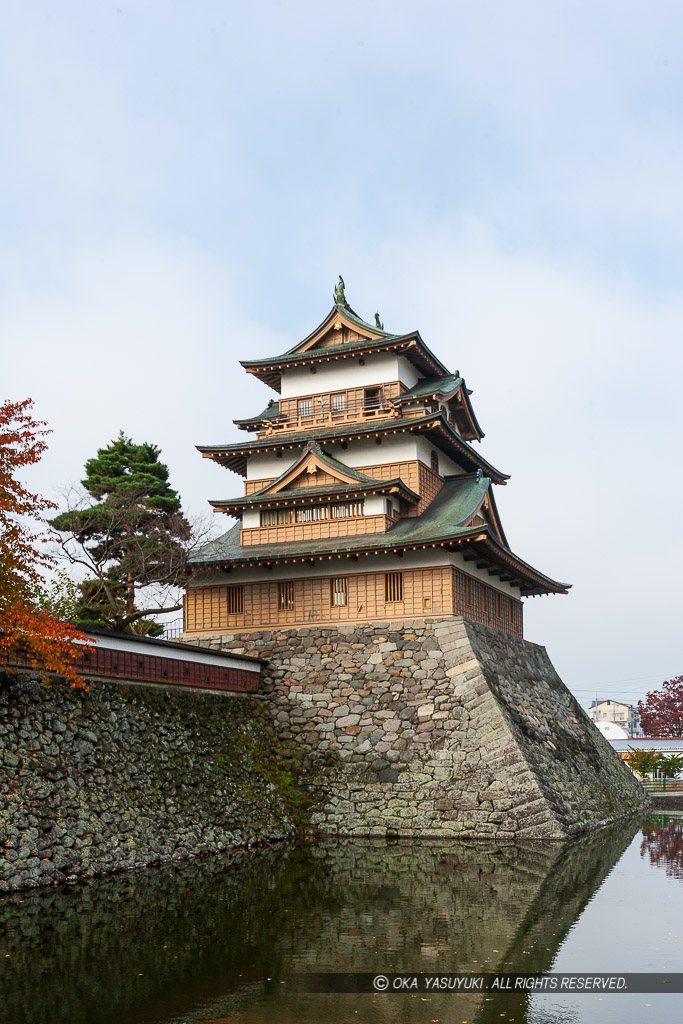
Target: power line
column 630, row 679
column 601, row 689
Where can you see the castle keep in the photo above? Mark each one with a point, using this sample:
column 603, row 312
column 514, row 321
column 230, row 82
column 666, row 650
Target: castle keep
column 370, row 570
column 365, row 497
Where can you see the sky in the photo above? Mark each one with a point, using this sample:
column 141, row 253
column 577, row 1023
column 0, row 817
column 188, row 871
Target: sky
column 181, row 184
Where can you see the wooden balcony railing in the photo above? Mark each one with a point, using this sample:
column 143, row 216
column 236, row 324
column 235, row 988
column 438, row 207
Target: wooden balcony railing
column 323, row 413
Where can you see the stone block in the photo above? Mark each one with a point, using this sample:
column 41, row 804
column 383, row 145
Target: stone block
column 504, row 740
column 347, row 720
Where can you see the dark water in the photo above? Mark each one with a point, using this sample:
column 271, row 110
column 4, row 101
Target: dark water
column 219, row 940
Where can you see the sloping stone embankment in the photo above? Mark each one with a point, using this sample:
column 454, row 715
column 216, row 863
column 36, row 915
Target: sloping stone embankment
column 437, row 728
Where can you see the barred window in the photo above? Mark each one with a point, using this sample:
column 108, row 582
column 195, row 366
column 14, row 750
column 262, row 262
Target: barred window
column 305, row 407
column 312, row 514
column 393, row 587
column 435, row 462
column 276, row 516
column 349, row 508
column 339, row 589
column 490, row 602
column 285, row 595
column 235, row 600
column 339, row 402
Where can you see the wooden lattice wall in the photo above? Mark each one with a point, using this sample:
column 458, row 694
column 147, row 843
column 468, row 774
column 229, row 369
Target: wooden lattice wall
column 433, row 591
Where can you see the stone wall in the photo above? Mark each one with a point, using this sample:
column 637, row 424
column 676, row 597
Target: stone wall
column 119, row 777
column 436, row 728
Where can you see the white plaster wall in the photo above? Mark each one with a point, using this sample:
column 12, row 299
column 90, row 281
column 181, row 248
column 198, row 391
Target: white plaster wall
column 375, row 505
column 382, row 368
column 407, row 373
column 446, row 465
column 394, row 448
column 201, row 657
column 455, row 558
column 251, row 518
column 268, row 466
column 372, row 563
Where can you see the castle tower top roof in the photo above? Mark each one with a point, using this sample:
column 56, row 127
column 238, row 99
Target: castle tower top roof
column 341, row 334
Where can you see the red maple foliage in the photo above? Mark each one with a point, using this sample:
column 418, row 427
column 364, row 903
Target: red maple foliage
column 664, row 846
column 27, row 633
column 661, row 713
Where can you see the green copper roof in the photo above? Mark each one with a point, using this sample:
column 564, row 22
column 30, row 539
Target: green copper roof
column 442, row 386
column 363, row 482
column 442, row 522
column 271, row 412
column 456, row 502
column 334, row 464
column 352, row 315
column 461, row 451
column 432, row 386
column 292, row 355
column 347, row 348
column 304, row 493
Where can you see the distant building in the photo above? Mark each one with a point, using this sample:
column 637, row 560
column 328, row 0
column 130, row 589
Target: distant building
column 616, row 711
column 662, row 744
column 611, row 731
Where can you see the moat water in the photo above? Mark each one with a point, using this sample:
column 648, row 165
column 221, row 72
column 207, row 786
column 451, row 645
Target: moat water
column 223, row 940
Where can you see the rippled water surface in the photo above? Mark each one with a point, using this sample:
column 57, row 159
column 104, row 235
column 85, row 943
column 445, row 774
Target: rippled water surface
column 220, row 940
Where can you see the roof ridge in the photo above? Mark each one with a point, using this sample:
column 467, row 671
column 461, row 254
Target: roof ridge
column 367, row 484
column 344, row 346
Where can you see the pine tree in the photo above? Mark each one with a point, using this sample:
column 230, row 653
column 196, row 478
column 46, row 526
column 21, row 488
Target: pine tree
column 129, row 531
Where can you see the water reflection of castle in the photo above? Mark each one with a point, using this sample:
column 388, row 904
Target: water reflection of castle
column 227, row 933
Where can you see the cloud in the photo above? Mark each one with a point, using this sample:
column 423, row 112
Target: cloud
column 575, row 382
column 183, row 186
column 138, row 338
column 575, row 376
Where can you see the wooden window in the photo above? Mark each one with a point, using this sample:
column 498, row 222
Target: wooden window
column 276, row 516
column 468, row 590
column 339, row 589
column 235, row 600
column 490, row 604
column 349, row 508
column 393, row 587
column 312, row 514
column 435, row 462
column 372, row 398
column 285, row 595
column 305, row 407
column 339, row 402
